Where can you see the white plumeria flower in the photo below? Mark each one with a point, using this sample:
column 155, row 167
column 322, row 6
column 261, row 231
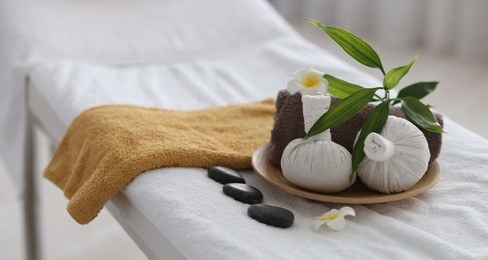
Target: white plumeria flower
column 333, row 218
column 308, row 81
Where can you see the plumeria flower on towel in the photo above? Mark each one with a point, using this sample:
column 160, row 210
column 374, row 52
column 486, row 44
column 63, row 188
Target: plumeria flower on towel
column 308, row 81
column 333, row 219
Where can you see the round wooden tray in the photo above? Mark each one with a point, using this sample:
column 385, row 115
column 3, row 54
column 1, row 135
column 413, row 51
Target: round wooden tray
column 357, row 194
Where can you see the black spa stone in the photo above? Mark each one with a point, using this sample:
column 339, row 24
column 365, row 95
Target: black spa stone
column 271, row 215
column 243, row 192
column 225, row 175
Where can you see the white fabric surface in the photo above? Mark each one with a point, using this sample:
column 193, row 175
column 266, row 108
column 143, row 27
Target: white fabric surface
column 447, row 222
column 184, row 38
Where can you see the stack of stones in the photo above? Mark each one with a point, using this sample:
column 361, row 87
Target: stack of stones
column 235, row 187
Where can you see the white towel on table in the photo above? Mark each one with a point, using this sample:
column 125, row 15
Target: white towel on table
column 447, row 222
column 450, row 221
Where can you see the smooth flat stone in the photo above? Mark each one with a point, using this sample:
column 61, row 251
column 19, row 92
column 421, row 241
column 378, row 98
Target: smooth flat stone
column 271, row 215
column 225, row 175
column 243, row 192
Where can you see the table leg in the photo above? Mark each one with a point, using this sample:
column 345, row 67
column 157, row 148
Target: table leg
column 31, row 207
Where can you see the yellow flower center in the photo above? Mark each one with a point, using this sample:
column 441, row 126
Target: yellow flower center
column 310, row 81
column 330, row 216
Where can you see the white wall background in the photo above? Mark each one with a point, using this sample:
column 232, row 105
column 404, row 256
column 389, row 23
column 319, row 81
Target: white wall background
column 449, row 27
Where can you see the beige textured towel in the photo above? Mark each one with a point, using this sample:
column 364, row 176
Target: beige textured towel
column 105, row 147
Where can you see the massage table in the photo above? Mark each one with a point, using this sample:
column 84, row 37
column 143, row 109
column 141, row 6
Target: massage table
column 185, row 55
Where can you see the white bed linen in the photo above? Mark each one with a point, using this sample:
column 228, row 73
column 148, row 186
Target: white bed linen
column 447, row 222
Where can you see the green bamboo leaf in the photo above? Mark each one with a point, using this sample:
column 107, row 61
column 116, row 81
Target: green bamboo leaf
column 393, row 77
column 375, row 123
column 352, row 45
column 420, row 114
column 341, row 88
column 418, row 90
column 342, row 111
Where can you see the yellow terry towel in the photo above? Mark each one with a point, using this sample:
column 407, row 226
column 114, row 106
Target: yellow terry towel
column 105, row 147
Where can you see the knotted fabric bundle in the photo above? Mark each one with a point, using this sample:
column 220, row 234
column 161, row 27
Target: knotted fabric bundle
column 105, row 147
